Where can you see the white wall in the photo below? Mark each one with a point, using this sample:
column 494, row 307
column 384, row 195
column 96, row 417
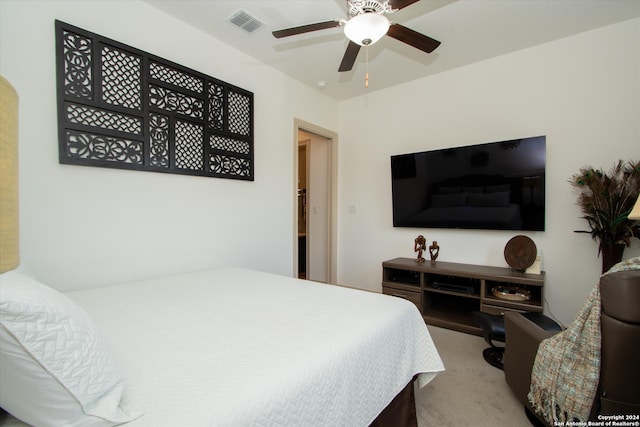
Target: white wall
column 582, row 92
column 84, row 226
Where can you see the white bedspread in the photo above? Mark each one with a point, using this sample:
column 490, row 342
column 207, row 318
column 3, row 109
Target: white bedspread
column 236, row 347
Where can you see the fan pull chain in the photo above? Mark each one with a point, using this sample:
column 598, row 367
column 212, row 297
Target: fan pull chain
column 366, row 73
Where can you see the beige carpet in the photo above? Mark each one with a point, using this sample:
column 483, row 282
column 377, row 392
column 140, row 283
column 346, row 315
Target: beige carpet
column 470, row 392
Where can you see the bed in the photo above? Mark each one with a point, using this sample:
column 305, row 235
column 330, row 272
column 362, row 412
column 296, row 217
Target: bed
column 236, row 347
column 221, row 347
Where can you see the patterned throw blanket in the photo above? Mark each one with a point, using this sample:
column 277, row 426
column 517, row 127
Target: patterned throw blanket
column 566, row 370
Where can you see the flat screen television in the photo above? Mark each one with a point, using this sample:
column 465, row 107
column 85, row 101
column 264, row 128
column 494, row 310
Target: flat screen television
column 493, row 186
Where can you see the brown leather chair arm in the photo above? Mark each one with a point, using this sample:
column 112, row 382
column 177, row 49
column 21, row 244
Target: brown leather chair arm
column 521, row 345
column 620, row 322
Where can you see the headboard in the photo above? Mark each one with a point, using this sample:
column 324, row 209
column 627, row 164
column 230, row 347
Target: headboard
column 9, row 251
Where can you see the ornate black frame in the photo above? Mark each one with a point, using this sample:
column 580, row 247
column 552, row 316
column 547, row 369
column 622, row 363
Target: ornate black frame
column 120, row 107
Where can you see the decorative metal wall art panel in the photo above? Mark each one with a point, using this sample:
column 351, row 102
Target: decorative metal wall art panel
column 159, row 140
column 76, row 52
column 120, row 107
column 102, row 119
column 121, row 78
column 81, row 145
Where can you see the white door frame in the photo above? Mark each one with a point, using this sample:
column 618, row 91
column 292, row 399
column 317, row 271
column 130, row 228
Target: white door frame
column 332, row 229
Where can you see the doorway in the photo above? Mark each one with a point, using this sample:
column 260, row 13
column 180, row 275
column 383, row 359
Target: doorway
column 315, row 214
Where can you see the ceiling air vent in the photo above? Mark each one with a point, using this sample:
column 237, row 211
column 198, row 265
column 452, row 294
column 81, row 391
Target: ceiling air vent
column 246, row 21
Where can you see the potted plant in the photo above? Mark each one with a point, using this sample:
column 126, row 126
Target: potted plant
column 606, row 200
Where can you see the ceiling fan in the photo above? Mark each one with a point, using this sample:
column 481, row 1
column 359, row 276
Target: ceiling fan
column 366, row 25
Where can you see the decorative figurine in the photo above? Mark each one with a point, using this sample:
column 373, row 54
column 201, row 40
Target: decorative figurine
column 434, row 249
column 419, row 246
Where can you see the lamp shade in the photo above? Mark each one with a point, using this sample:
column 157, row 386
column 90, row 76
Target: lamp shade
column 367, row 28
column 635, row 212
column 9, row 253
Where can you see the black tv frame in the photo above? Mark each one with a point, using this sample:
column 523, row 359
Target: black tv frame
column 491, row 186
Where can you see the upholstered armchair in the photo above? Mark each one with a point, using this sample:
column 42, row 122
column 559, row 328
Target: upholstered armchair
column 618, row 391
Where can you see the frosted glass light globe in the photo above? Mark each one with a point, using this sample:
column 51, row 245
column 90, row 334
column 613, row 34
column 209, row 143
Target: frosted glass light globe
column 367, row 28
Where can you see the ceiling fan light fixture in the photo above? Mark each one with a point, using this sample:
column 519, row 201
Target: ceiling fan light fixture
column 367, row 28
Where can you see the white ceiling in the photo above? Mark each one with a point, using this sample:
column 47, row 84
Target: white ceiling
column 470, row 31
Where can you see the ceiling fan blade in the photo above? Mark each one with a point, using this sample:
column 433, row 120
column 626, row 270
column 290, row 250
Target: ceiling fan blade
column 306, row 28
column 349, row 57
column 413, row 38
column 401, row 4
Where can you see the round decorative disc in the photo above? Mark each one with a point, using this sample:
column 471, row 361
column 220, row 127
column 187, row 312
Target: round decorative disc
column 520, row 253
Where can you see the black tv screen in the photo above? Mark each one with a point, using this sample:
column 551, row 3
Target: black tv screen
column 493, row 186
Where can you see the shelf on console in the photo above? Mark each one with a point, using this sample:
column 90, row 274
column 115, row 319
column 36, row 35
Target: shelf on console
column 469, row 290
column 475, row 295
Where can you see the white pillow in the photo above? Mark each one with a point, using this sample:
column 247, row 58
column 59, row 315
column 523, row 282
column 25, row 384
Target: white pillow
column 54, row 368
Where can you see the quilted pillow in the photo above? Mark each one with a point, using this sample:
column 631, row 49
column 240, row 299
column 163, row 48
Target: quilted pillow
column 490, row 199
column 55, row 368
column 448, row 190
column 497, row 188
column 448, row 200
